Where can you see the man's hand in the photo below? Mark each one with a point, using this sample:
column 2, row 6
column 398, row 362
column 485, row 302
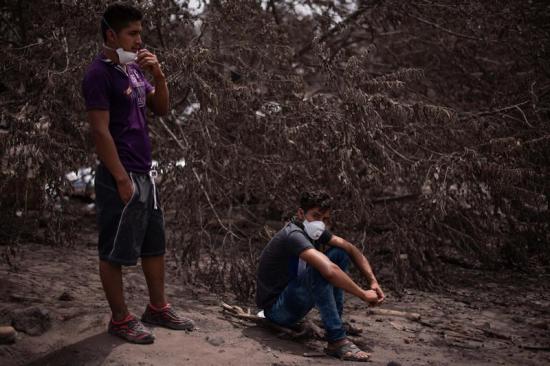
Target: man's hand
column 125, row 190
column 370, row 297
column 379, row 293
column 149, row 62
column 158, row 100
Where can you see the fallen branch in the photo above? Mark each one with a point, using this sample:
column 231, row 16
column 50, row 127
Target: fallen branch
column 307, row 329
column 493, row 334
column 535, row 347
column 387, row 312
column 461, row 335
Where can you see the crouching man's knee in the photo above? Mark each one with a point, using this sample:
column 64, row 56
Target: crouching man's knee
column 338, row 256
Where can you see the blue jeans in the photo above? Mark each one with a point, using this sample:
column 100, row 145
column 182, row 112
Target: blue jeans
column 312, row 289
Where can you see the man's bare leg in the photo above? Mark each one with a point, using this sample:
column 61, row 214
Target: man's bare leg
column 159, row 312
column 153, row 269
column 111, row 279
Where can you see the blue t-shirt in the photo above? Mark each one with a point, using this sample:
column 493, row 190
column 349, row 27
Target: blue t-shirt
column 280, row 261
column 108, row 86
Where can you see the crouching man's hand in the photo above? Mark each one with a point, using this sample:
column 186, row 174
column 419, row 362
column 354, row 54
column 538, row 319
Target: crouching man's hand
column 379, row 293
column 370, row 297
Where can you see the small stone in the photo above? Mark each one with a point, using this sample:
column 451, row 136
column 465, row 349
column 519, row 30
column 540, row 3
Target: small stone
column 66, row 296
column 393, row 363
column 33, row 320
column 7, row 335
column 406, row 341
column 518, row 319
column 215, row 340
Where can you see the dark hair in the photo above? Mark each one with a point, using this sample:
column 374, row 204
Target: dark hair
column 118, row 16
column 313, row 199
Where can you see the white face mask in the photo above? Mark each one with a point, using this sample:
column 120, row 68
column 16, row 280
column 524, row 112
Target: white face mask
column 314, row 229
column 124, row 57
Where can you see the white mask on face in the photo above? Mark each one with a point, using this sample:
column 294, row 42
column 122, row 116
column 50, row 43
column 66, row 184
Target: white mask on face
column 314, row 229
column 124, row 57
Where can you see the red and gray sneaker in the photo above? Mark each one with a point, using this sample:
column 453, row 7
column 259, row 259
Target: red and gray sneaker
column 166, row 317
column 132, row 330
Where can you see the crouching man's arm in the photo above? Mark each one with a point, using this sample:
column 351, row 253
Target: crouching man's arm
column 360, row 262
column 333, row 274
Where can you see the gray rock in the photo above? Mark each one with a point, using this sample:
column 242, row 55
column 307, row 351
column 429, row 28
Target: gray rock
column 33, row 320
column 7, row 335
column 215, row 340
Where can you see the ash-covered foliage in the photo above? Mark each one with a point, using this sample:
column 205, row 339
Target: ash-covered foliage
column 428, row 122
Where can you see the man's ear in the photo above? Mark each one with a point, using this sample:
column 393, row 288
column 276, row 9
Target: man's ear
column 301, row 214
column 111, row 35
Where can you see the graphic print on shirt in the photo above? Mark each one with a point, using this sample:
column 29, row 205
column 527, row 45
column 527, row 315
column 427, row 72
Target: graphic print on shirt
column 138, row 87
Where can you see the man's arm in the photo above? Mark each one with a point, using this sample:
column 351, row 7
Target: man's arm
column 333, row 274
column 107, row 153
column 360, row 262
column 157, row 100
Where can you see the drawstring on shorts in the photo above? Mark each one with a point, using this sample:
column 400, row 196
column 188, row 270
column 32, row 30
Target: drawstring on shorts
column 153, row 174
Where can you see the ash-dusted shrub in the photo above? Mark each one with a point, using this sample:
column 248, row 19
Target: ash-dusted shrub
column 428, row 124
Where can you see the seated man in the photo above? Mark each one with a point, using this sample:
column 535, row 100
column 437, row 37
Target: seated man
column 304, row 266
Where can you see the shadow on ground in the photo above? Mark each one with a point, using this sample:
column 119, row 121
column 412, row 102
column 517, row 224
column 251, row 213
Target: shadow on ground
column 90, row 351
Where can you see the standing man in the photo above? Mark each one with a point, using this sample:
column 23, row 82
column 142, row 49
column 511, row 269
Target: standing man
column 304, row 265
column 131, row 222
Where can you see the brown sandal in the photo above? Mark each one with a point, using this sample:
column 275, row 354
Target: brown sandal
column 348, row 352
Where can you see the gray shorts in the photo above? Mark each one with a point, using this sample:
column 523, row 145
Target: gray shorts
column 128, row 231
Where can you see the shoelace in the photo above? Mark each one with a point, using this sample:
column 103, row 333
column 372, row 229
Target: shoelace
column 172, row 315
column 136, row 326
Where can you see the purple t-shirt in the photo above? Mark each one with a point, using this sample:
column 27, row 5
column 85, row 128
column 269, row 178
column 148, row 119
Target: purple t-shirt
column 107, row 86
